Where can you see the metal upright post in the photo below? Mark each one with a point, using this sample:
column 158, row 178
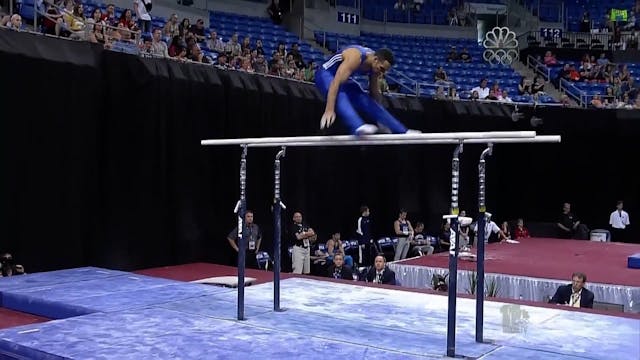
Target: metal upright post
column 278, row 206
column 481, row 239
column 241, row 209
column 453, row 256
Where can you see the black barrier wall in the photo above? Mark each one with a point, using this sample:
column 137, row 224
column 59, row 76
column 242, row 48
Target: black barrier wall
column 102, row 163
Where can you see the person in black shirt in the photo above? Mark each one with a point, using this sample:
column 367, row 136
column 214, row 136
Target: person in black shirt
column 301, row 237
column 569, row 225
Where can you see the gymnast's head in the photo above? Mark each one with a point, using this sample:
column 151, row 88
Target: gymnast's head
column 383, row 60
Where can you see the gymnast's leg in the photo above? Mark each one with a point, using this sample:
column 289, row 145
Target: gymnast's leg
column 344, row 108
column 375, row 111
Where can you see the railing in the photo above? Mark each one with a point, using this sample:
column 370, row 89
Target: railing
column 580, row 40
column 538, row 67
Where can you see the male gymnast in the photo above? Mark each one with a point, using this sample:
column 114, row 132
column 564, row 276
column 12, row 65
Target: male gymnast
column 345, row 96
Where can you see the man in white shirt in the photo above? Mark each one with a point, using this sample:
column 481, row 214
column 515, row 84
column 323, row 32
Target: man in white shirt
column 483, row 89
column 619, row 220
column 490, row 228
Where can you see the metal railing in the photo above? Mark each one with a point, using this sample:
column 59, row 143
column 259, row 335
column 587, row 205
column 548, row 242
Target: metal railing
column 538, row 67
column 580, row 40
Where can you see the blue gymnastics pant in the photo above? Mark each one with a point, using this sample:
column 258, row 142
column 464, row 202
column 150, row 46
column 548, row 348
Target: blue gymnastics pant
column 353, row 101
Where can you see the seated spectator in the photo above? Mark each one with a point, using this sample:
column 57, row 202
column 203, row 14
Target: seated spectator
column 482, row 89
column 335, row 246
column 420, row 245
column 440, row 76
column 521, row 232
column 495, row 93
column 537, row 86
column 453, row 55
column 465, row 56
column 198, row 30
column 524, row 88
column 380, row 273
column 13, row 22
column 602, row 60
column 171, row 27
column 504, row 96
column 338, row 270
column 8, row 267
column 260, row 65
column 550, row 59
column 453, row 93
column 569, row 225
column 574, row 294
column 506, row 230
column 596, row 102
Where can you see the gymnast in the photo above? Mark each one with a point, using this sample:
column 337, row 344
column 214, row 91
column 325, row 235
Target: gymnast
column 345, row 97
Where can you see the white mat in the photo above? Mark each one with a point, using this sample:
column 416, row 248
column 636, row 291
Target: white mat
column 229, row 281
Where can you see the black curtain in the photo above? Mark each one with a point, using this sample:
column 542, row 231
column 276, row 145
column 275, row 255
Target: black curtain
column 102, row 165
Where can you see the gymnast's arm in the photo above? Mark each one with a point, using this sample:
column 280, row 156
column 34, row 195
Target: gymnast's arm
column 374, row 87
column 350, row 63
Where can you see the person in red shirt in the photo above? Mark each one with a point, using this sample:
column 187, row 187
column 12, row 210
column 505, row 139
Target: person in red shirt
column 521, row 231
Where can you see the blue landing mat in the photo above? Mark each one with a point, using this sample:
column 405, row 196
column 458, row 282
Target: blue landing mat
column 56, row 277
column 68, row 299
column 166, row 334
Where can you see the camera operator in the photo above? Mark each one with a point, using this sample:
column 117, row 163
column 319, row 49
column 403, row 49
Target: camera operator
column 8, row 267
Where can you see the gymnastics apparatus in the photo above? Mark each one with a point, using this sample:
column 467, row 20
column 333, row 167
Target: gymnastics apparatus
column 459, row 139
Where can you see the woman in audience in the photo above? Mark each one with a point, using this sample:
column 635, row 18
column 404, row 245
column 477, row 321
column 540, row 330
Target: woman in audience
column 127, row 22
column 184, row 27
column 524, row 88
column 506, row 230
column 550, row 59
column 538, row 85
column 521, row 231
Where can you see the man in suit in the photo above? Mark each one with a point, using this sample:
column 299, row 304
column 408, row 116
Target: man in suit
column 338, row 270
column 574, row 294
column 380, row 273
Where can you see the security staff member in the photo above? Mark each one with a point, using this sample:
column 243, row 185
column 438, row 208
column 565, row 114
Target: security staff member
column 619, row 220
column 253, row 236
column 302, row 237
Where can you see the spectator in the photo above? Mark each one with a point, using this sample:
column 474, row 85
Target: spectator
column 550, row 59
column 574, row 294
column 15, row 22
column 7, row 266
column 453, row 54
column 142, row 8
column 171, row 27
column 521, row 231
column 465, row 56
column 338, row 270
column 482, row 89
column 569, row 225
column 275, row 12
column 603, row 61
column 380, row 272
column 159, row 47
column 198, row 30
column 537, row 86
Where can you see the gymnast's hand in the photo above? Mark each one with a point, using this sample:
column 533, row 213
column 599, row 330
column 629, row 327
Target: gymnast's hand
column 327, row 119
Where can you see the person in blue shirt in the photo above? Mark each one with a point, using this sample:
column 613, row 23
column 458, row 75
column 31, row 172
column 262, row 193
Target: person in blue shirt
column 347, row 99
